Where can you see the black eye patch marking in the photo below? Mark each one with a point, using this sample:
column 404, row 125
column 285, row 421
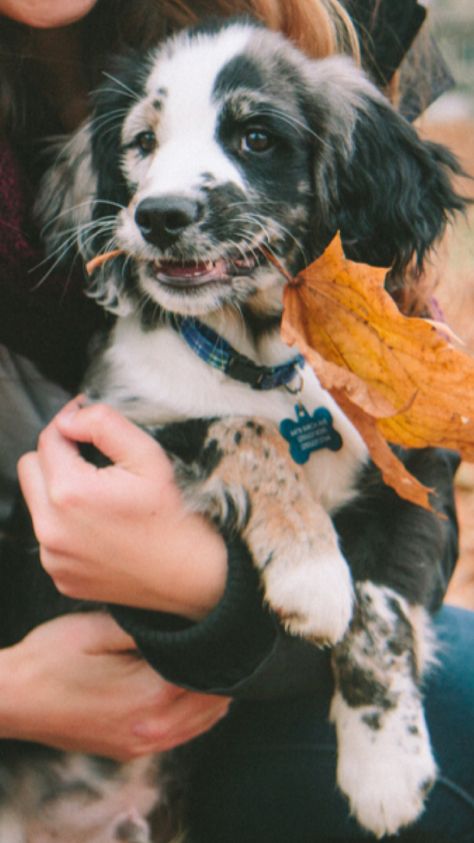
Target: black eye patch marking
column 240, row 72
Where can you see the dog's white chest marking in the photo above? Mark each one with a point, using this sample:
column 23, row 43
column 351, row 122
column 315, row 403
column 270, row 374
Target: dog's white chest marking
column 154, row 378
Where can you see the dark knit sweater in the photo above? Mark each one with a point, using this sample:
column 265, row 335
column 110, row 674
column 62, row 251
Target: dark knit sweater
column 44, row 316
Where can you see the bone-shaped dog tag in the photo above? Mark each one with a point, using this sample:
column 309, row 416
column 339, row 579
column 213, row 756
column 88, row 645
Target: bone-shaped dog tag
column 310, row 433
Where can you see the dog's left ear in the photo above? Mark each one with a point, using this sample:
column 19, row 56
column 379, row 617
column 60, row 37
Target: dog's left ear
column 392, row 193
column 64, row 205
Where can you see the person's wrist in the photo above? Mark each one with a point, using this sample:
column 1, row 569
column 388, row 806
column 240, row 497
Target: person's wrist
column 199, row 572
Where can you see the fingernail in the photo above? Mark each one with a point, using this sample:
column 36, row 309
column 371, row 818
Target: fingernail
column 82, row 401
column 70, row 408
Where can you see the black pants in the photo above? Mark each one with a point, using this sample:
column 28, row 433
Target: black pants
column 266, row 774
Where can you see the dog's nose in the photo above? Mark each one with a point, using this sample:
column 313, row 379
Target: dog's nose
column 163, row 219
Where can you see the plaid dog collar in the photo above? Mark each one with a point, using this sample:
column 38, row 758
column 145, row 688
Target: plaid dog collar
column 216, row 351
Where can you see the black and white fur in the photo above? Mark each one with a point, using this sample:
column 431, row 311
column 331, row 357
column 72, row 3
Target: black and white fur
column 220, row 142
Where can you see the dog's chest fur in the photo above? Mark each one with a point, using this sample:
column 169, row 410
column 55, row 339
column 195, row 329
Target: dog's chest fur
column 155, row 379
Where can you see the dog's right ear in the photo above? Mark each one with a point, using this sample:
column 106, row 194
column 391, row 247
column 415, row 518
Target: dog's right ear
column 387, row 191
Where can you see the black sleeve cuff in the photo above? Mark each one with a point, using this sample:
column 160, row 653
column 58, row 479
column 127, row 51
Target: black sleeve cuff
column 239, row 649
column 216, row 653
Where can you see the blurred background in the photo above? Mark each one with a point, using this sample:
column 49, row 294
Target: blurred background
column 451, row 121
column 452, row 22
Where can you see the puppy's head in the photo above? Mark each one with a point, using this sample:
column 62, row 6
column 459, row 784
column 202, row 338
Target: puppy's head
column 225, row 144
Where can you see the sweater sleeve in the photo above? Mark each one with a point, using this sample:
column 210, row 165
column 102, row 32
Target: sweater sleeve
column 239, row 649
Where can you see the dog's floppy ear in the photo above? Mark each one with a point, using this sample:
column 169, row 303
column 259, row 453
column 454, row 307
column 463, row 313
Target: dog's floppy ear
column 84, row 189
column 396, row 194
column 78, row 219
column 85, row 184
column 390, row 193
column 65, row 202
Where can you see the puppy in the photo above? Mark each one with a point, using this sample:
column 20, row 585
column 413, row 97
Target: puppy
column 218, row 147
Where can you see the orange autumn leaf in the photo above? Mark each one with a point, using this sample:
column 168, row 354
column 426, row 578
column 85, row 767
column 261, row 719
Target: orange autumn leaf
column 393, row 471
column 398, row 378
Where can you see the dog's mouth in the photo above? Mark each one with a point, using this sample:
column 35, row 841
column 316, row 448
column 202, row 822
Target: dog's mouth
column 190, row 274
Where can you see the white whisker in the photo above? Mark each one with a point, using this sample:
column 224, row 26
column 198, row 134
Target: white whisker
column 120, row 84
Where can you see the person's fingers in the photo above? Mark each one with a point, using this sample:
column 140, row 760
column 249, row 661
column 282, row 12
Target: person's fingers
column 111, row 433
column 188, row 716
column 45, row 475
column 36, row 494
column 186, row 735
column 56, row 456
column 31, row 480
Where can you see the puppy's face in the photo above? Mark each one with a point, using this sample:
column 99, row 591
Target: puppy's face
column 216, row 154
column 226, row 144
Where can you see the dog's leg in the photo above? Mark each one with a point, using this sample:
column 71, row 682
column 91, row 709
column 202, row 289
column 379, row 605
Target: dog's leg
column 385, row 764
column 290, row 536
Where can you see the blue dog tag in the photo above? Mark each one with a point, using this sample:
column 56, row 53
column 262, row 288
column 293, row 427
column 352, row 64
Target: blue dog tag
column 310, row 433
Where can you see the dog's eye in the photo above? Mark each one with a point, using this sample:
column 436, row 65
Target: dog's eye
column 145, row 142
column 256, row 140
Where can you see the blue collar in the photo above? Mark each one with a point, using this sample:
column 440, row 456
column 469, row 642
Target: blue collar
column 216, row 351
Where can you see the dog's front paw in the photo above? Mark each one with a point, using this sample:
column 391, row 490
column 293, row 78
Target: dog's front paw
column 385, row 766
column 312, row 597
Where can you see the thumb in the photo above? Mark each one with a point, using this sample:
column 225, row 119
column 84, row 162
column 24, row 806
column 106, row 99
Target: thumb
column 113, row 435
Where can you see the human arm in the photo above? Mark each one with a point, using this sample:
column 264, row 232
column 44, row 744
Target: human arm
column 120, row 534
column 235, row 646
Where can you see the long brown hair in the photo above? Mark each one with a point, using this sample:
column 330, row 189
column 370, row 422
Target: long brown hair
column 319, row 27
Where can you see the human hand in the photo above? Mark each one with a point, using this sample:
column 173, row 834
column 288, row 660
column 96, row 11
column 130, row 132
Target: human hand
column 77, row 684
column 119, row 534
